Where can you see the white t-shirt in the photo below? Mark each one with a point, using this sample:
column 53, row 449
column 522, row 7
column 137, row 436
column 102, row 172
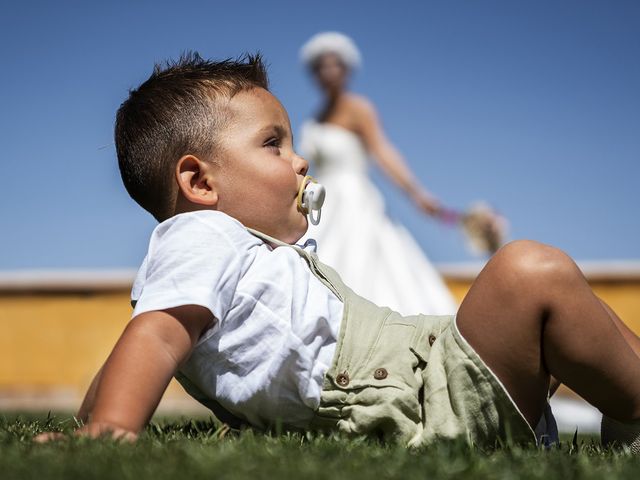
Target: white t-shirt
column 277, row 324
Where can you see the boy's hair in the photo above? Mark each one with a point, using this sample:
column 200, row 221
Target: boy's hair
column 175, row 113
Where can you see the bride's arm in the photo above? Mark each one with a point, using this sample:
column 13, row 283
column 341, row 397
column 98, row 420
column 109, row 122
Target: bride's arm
column 387, row 156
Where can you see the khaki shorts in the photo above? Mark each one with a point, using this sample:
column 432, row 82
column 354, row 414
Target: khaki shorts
column 411, row 379
column 414, row 380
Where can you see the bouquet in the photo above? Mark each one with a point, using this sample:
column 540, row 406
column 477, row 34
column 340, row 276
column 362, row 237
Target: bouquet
column 484, row 228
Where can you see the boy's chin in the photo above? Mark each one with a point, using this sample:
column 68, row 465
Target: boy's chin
column 300, row 231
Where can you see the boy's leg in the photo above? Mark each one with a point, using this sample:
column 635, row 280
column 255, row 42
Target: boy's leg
column 531, row 313
column 632, row 339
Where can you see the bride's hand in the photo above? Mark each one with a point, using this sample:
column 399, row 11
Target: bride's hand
column 426, row 202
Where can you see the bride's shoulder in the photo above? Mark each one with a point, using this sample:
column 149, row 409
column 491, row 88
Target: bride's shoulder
column 357, row 100
column 360, row 105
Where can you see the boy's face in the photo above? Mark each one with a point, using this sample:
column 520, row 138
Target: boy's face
column 259, row 174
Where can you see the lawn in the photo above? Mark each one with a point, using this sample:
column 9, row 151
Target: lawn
column 192, row 449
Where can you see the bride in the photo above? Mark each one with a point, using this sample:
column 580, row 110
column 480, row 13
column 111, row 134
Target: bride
column 376, row 257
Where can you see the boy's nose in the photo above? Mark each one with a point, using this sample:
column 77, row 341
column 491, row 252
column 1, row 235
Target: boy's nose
column 300, row 165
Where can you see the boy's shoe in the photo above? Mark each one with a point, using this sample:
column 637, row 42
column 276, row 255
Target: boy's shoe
column 625, row 434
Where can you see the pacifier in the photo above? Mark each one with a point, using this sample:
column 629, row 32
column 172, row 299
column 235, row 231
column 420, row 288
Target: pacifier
column 310, row 198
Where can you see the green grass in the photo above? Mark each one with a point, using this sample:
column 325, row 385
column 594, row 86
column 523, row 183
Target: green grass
column 194, row 449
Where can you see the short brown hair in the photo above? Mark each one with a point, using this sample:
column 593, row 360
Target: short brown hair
column 173, row 114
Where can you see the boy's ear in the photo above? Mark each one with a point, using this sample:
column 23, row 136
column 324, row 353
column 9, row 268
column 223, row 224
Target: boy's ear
column 195, row 181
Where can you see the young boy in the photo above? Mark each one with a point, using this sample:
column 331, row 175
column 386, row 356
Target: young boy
column 263, row 333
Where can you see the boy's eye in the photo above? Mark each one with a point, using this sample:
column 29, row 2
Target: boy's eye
column 273, row 143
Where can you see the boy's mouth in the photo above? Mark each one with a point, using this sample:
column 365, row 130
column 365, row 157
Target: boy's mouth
column 311, row 198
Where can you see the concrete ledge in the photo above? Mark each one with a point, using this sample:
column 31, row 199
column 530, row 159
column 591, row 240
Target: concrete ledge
column 609, row 270
column 121, row 279
column 66, row 280
column 68, row 400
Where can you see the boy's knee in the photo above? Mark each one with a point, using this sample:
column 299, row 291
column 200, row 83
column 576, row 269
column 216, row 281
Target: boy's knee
column 524, row 260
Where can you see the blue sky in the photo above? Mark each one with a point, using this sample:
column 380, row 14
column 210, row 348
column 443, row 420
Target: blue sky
column 532, row 106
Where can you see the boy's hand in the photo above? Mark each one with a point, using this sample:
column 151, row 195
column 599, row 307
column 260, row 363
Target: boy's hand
column 48, row 437
column 95, row 430
column 91, row 430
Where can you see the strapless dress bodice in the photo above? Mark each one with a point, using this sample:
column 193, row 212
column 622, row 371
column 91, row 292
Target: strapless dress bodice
column 376, row 257
column 332, row 148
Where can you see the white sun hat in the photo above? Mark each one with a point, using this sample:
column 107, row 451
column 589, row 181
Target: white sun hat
column 331, row 42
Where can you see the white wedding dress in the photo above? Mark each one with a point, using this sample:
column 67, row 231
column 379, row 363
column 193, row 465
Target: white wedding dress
column 376, row 257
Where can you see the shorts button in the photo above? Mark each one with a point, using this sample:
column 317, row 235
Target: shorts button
column 432, row 338
column 342, row 379
column 380, row 374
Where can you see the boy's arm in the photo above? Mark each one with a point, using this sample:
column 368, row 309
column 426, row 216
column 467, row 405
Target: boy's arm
column 89, row 399
column 131, row 382
column 141, row 365
column 389, row 159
